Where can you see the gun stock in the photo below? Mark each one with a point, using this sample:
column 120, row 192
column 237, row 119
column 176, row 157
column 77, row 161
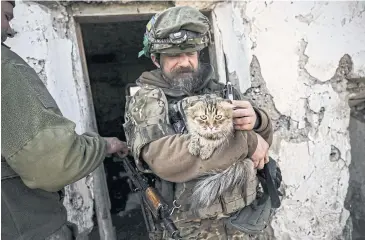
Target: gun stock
column 153, row 201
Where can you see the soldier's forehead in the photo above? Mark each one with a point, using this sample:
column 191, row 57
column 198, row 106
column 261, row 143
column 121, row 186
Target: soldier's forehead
column 179, row 53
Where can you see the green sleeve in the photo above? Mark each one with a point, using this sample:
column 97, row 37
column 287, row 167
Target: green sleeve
column 36, row 140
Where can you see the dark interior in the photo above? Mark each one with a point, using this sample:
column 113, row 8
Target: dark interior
column 111, row 51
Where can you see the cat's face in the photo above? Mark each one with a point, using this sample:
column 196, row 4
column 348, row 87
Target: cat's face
column 210, row 118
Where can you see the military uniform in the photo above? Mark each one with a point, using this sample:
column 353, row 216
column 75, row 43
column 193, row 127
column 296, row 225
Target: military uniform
column 152, row 130
column 41, row 153
column 155, row 129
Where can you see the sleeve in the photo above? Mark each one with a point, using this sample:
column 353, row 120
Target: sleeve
column 265, row 129
column 37, row 142
column 153, row 140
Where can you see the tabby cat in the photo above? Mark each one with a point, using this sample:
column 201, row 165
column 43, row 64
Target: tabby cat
column 210, row 122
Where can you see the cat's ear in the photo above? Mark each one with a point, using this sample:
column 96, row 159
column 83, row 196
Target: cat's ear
column 226, row 105
column 193, row 107
column 195, row 104
column 190, row 107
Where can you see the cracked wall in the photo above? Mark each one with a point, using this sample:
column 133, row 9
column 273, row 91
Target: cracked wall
column 293, row 59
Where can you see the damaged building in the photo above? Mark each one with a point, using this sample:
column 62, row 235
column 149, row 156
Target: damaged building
column 304, row 62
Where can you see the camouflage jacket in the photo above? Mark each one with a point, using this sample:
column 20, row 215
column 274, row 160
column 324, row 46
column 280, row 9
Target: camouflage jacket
column 150, row 127
column 38, row 143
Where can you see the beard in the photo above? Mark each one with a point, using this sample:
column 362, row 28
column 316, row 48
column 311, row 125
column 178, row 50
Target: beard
column 185, row 79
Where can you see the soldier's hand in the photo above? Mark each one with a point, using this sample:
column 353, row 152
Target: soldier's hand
column 261, row 154
column 244, row 116
column 114, row 145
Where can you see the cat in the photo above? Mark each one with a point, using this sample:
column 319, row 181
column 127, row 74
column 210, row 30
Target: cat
column 210, row 123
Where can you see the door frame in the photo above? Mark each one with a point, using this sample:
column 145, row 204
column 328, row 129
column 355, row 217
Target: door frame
column 118, row 12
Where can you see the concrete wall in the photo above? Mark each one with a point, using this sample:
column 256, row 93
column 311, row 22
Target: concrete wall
column 291, row 58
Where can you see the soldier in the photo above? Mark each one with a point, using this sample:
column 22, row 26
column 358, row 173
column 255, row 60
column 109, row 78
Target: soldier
column 40, row 151
column 173, row 40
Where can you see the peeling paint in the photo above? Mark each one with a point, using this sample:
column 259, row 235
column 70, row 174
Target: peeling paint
column 234, row 44
column 291, row 58
column 309, row 108
column 308, row 18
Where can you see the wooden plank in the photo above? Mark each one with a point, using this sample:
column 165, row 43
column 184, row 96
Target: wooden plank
column 117, row 12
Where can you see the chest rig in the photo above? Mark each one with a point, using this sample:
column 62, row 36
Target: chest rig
column 176, row 117
column 222, row 207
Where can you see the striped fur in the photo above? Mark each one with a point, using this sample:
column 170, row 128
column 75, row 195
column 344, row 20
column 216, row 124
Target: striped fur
column 210, row 187
column 210, row 122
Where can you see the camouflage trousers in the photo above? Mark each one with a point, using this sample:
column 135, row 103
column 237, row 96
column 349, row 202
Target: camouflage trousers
column 208, row 229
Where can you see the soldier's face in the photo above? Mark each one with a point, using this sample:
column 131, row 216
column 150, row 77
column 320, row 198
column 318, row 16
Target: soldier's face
column 179, row 65
column 6, row 17
column 181, row 69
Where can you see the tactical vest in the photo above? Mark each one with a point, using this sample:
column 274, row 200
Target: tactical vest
column 226, row 204
column 28, row 214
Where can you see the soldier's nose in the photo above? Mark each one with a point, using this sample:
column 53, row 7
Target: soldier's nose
column 184, row 60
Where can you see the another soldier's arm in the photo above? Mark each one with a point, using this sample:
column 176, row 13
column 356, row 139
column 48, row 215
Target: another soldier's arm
column 37, row 142
column 152, row 139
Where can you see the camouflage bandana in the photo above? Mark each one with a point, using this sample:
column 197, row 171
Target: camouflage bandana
column 176, row 30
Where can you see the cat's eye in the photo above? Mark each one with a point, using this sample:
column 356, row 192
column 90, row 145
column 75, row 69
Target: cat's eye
column 218, row 117
column 203, row 117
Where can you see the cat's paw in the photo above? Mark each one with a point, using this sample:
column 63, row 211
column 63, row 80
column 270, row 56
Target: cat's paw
column 193, row 149
column 204, row 156
column 186, row 137
column 206, row 153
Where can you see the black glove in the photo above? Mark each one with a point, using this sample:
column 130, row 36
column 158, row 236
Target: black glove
column 270, row 178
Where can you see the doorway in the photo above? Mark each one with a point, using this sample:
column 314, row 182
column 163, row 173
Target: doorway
column 110, row 50
column 111, row 53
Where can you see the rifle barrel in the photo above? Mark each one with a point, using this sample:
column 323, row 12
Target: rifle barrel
column 229, row 93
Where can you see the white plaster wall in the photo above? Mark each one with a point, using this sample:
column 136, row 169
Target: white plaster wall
column 47, row 49
column 298, row 46
column 44, row 41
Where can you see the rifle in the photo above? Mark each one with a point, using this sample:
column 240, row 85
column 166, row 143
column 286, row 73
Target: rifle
column 229, row 88
column 154, row 208
column 265, row 176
